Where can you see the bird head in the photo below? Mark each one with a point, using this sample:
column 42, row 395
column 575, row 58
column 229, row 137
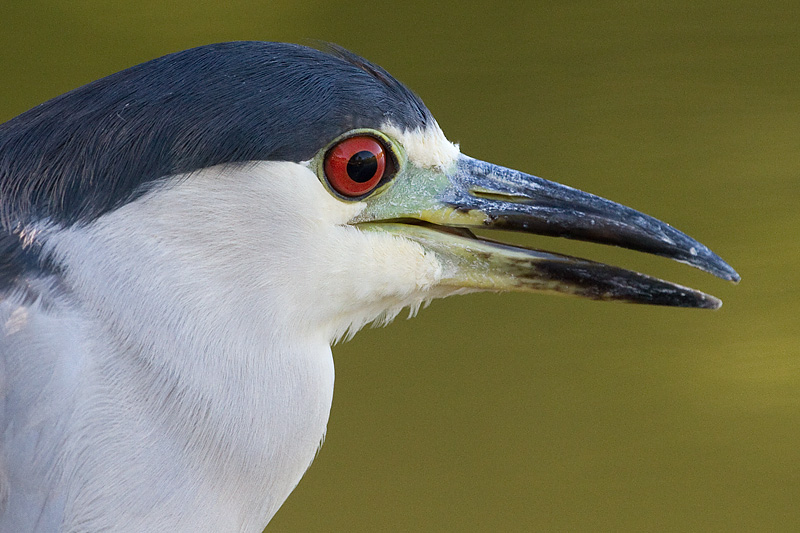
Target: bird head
column 311, row 179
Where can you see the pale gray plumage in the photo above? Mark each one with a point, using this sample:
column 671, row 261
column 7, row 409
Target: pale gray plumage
column 177, row 260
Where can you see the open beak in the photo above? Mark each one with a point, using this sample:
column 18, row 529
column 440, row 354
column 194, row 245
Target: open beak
column 437, row 208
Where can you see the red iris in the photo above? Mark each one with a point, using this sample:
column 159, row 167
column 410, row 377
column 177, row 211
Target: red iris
column 355, row 166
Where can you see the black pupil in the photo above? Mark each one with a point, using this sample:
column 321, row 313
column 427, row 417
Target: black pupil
column 362, row 166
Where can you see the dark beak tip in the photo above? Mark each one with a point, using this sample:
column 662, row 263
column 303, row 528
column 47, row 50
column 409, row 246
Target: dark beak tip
column 694, row 253
column 714, row 303
column 726, row 272
column 698, row 300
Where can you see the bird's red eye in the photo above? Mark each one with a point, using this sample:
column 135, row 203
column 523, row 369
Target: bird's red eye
column 355, row 166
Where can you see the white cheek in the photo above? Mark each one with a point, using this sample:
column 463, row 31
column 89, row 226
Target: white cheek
column 265, row 238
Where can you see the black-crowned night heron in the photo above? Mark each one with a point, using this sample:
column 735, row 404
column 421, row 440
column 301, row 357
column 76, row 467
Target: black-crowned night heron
column 182, row 242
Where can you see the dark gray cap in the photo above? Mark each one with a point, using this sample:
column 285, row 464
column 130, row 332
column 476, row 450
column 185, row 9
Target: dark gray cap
column 97, row 147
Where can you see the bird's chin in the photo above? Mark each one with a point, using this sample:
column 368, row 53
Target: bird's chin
column 476, row 263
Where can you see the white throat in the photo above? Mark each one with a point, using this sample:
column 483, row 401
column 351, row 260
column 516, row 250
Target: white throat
column 206, row 309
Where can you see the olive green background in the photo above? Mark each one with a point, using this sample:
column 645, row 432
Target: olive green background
column 528, row 412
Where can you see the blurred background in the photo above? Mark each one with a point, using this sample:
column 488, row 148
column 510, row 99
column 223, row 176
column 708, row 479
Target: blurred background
column 528, row 412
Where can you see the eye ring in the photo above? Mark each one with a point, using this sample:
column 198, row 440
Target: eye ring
column 355, row 166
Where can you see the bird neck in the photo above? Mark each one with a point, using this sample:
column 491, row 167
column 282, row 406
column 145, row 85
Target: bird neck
column 216, row 442
column 206, row 311
column 191, row 405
